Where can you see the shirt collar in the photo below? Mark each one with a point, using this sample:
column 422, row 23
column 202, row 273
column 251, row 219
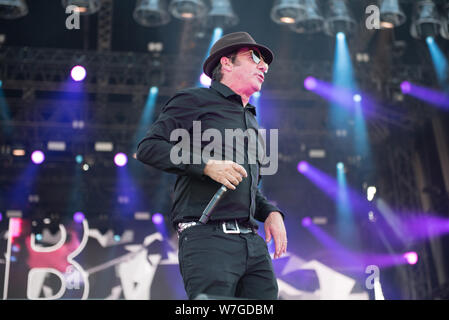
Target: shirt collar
column 226, row 92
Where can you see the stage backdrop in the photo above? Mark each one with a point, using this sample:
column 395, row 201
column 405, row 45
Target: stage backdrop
column 77, row 261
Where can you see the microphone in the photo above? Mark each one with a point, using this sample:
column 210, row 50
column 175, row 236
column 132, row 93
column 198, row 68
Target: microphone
column 212, row 203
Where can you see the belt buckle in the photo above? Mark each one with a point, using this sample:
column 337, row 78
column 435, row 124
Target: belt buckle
column 225, row 230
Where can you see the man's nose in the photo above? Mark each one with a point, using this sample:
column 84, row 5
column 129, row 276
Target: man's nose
column 263, row 66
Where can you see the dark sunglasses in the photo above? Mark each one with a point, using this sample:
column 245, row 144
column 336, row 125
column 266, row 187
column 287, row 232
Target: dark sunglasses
column 257, row 58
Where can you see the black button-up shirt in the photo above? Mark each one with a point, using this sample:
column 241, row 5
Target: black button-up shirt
column 220, row 108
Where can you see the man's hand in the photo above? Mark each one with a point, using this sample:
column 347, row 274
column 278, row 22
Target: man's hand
column 225, row 172
column 275, row 228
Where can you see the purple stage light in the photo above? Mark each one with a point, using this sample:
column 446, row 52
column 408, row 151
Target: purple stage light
column 37, row 157
column 303, row 166
column 411, row 257
column 306, row 222
column 78, row 217
column 157, row 218
column 78, row 73
column 205, row 80
column 432, row 96
column 310, row 83
column 120, row 159
column 406, row 87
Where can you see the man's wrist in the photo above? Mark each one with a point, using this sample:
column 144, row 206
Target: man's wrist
column 273, row 213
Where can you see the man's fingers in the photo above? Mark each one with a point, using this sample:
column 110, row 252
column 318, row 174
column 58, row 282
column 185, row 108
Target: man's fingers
column 240, row 169
column 267, row 235
column 227, row 184
column 280, row 242
column 232, row 180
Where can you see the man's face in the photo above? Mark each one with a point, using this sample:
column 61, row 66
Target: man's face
column 246, row 72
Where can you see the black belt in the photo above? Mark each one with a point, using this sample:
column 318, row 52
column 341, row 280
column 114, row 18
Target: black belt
column 228, row 226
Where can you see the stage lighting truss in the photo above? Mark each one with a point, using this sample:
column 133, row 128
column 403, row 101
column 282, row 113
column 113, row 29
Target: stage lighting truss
column 426, row 20
column 339, row 18
column 287, row 11
column 13, row 9
column 188, row 9
column 444, row 31
column 85, row 7
column 312, row 21
column 151, row 13
column 221, row 15
column 391, row 14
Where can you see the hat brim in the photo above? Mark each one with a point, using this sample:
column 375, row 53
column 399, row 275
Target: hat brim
column 212, row 61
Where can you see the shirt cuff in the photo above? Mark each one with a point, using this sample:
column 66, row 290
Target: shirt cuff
column 196, row 170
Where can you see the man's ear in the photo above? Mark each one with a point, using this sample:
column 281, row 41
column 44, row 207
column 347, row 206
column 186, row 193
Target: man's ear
column 225, row 64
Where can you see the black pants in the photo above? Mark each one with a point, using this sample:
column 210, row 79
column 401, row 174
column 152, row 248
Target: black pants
column 226, row 265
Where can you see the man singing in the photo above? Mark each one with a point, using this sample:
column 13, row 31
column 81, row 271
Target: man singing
column 224, row 257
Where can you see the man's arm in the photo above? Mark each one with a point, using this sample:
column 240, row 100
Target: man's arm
column 155, row 148
column 273, row 220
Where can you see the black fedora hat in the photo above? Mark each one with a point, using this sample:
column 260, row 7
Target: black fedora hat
column 229, row 43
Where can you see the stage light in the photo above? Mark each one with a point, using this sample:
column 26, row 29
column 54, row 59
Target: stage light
column 317, row 153
column 56, row 145
column 310, row 83
column 426, row 20
column 78, row 73
column 77, row 124
column 37, row 157
column 411, row 257
column 157, row 218
column 339, row 18
column 78, row 217
column 371, row 216
column 287, row 11
column 142, row 215
column 444, row 31
column 391, row 14
column 120, row 159
column 440, row 62
column 303, row 166
column 406, row 87
column 18, row 152
column 85, row 167
column 370, row 192
column 306, row 222
column 103, row 146
column 151, row 13
column 357, row 98
column 340, row 166
column 221, row 15
column 154, row 90
column 312, row 21
column 79, row 159
column 85, row 7
column 188, row 9
column 13, row 9
column 341, row 36
column 205, row 80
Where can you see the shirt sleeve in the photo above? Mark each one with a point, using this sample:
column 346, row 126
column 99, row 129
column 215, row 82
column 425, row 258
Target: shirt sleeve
column 156, row 147
column 264, row 207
